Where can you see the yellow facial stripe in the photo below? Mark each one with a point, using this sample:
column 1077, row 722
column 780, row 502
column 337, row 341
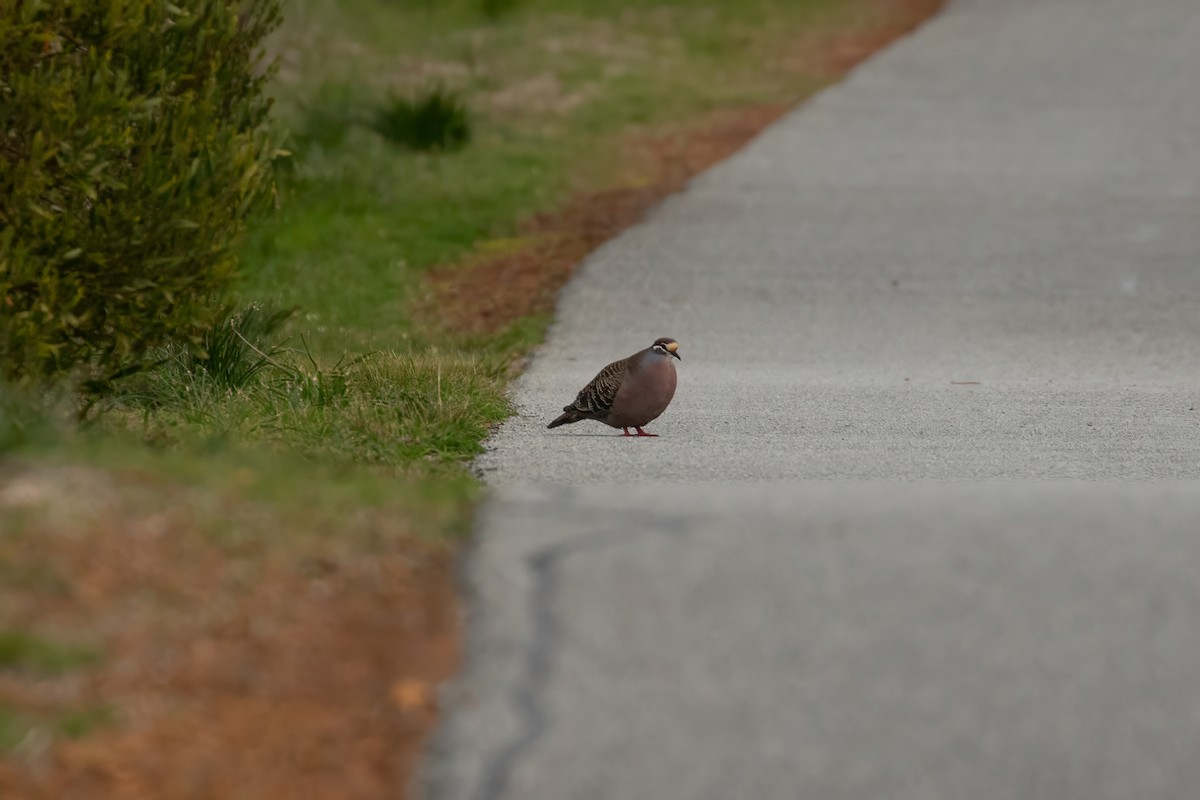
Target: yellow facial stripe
column 673, row 346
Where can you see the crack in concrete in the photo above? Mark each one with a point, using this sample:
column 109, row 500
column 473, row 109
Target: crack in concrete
column 526, row 695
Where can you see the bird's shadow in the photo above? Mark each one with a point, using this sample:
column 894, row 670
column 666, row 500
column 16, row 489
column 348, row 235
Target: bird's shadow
column 599, row 436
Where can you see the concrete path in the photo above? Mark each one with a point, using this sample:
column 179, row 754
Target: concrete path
column 923, row 520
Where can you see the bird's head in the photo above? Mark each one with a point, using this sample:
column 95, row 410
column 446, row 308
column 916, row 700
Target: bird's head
column 666, row 346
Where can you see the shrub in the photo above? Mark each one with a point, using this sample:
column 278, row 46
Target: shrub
column 134, row 144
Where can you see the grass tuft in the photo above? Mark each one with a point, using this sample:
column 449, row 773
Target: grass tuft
column 424, row 406
column 434, row 119
column 238, row 347
column 494, row 9
column 236, row 352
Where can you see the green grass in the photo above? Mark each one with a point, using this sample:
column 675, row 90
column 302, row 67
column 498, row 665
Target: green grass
column 26, row 652
column 359, row 230
column 387, row 408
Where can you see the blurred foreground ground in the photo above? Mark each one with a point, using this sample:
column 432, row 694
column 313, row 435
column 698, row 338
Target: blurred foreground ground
column 236, row 662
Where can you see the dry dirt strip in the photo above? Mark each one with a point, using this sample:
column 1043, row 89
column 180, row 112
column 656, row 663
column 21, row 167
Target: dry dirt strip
column 922, row 521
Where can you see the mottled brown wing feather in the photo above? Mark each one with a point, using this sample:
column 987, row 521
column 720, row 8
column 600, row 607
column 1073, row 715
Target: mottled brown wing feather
column 595, row 399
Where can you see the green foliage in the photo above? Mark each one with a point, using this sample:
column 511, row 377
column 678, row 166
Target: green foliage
column 135, row 144
column 435, row 119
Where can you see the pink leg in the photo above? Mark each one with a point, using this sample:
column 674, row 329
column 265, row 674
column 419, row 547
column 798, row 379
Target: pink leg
column 626, row 433
column 641, row 432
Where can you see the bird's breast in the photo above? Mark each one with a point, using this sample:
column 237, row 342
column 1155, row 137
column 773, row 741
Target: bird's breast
column 644, row 394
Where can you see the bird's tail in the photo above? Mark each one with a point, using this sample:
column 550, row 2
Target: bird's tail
column 566, row 419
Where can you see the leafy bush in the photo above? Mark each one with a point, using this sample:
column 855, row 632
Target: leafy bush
column 134, row 144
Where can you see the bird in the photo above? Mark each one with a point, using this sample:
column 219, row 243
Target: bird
column 629, row 393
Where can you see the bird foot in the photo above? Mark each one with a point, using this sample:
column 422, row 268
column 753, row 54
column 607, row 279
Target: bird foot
column 641, row 432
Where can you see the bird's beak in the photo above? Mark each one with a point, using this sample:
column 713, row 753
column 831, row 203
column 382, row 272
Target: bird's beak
column 672, row 347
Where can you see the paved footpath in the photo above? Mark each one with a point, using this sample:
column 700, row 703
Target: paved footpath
column 923, row 521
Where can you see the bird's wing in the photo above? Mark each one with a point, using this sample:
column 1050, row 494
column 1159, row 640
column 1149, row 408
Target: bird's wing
column 597, row 397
